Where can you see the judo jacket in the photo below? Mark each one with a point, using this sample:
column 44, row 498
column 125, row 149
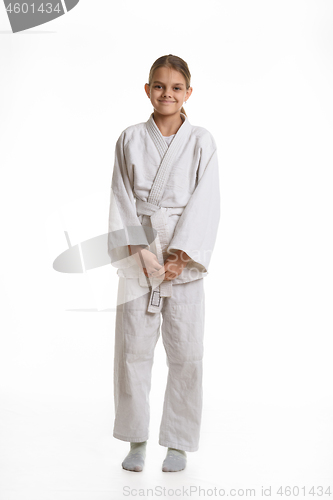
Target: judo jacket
column 165, row 198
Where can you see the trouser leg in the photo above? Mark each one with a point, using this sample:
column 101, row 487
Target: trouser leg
column 136, row 335
column 182, row 333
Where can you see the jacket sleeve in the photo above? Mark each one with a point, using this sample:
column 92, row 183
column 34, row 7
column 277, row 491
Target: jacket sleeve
column 196, row 229
column 124, row 225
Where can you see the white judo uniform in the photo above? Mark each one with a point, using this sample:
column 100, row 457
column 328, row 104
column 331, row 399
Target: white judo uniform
column 165, row 197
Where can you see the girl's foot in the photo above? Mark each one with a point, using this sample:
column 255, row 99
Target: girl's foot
column 135, row 459
column 174, row 461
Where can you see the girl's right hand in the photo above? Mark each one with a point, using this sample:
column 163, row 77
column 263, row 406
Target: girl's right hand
column 150, row 263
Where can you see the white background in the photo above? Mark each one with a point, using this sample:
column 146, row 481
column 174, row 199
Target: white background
column 262, row 77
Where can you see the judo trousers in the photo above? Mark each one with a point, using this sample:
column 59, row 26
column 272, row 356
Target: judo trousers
column 136, row 334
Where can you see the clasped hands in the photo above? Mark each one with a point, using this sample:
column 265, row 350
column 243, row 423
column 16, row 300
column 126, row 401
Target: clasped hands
column 147, row 261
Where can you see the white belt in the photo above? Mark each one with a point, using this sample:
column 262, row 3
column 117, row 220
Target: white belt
column 159, row 221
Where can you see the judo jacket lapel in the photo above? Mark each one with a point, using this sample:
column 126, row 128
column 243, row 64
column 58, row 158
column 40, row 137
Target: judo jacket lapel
column 158, row 214
column 168, row 155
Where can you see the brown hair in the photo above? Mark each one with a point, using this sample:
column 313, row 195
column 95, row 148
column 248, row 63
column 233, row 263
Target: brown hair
column 174, row 62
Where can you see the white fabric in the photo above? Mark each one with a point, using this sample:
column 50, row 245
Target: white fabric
column 137, row 332
column 165, row 197
column 168, row 138
column 187, row 197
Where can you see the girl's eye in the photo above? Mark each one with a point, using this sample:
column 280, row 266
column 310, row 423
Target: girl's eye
column 156, row 86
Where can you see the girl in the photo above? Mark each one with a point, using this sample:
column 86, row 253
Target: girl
column 164, row 216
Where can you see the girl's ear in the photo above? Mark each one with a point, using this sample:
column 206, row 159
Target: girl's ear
column 189, row 92
column 147, row 89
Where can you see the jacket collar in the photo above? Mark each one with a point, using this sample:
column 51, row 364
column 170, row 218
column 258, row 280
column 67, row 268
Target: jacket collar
column 158, row 139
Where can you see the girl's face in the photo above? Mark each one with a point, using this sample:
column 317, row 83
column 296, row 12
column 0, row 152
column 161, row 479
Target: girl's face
column 167, row 91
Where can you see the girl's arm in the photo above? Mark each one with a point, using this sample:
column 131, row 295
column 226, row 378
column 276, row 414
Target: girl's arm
column 124, row 225
column 135, row 248
column 196, row 230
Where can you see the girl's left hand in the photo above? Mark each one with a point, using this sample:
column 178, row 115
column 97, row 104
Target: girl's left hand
column 173, row 265
column 173, row 269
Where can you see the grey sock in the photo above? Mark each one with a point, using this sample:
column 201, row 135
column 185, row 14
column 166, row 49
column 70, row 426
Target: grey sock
column 174, row 461
column 135, row 459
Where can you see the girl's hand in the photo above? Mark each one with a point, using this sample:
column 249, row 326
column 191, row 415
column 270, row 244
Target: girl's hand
column 150, row 263
column 173, row 265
